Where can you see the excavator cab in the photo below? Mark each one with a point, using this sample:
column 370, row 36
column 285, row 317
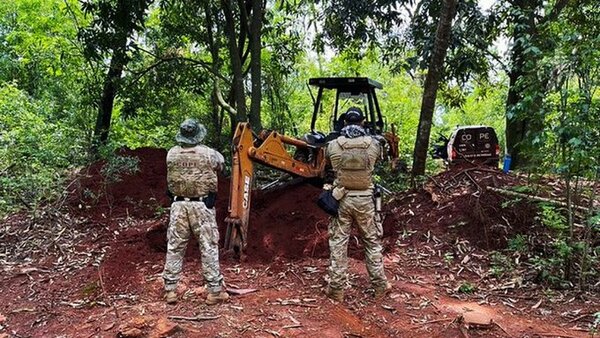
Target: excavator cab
column 307, row 160
column 334, row 96
column 349, row 92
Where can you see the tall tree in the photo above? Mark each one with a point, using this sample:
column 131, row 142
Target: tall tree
column 528, row 22
column 255, row 37
column 430, row 88
column 110, row 34
column 432, row 81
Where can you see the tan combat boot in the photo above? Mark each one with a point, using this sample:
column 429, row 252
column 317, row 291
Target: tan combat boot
column 171, row 297
column 335, row 294
column 382, row 290
column 216, row 297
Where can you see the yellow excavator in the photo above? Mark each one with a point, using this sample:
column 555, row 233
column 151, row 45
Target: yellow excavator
column 307, row 160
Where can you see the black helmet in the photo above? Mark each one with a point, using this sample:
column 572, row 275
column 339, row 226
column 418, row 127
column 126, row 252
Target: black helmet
column 354, row 115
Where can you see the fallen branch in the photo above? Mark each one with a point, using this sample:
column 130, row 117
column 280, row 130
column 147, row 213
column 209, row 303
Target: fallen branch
column 579, row 317
column 294, row 302
column 295, row 274
column 106, row 299
column 240, row 292
column 194, row 319
column 536, row 198
column 501, row 328
column 512, row 296
column 433, row 321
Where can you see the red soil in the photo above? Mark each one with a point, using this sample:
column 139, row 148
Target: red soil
column 451, row 204
column 286, row 251
column 284, row 222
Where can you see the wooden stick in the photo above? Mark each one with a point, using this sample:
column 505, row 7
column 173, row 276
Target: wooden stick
column 579, row 317
column 104, row 293
column 433, row 321
column 296, row 304
column 501, row 328
column 295, row 274
column 194, row 319
column 535, row 198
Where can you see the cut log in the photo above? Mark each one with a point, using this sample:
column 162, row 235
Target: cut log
column 536, row 198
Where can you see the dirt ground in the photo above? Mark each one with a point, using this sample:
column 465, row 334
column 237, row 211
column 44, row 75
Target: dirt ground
column 92, row 268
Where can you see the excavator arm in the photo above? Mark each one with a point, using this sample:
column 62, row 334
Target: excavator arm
column 267, row 148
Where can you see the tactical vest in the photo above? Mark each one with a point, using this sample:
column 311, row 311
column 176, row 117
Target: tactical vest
column 190, row 172
column 354, row 168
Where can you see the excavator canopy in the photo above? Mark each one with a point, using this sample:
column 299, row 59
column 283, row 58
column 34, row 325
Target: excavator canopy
column 349, row 91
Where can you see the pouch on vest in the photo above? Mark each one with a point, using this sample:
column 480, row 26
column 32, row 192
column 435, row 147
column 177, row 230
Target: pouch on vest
column 354, row 171
column 328, row 203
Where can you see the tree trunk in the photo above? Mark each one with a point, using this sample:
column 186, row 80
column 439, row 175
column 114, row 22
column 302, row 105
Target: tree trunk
column 516, row 121
column 520, row 123
column 109, row 92
column 214, row 46
column 239, row 93
column 255, row 63
column 432, row 81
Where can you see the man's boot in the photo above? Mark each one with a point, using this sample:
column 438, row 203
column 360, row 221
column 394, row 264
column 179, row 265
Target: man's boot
column 335, row 294
column 216, row 297
column 382, row 290
column 171, row 297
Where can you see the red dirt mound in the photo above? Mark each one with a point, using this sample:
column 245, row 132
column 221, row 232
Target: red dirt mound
column 284, row 222
column 458, row 203
column 142, row 193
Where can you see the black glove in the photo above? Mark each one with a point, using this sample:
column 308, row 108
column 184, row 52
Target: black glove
column 210, row 200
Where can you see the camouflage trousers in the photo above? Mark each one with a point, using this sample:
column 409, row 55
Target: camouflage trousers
column 359, row 210
column 195, row 218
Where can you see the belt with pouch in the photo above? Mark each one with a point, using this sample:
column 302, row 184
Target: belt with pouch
column 359, row 195
column 188, row 199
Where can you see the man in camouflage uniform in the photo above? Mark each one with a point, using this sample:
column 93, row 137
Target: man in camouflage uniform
column 353, row 156
column 192, row 180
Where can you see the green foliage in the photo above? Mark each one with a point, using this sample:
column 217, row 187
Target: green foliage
column 509, row 203
column 552, row 218
column 448, row 258
column 116, row 166
column 34, row 151
column 524, row 189
column 519, row 243
column 112, row 23
column 467, row 287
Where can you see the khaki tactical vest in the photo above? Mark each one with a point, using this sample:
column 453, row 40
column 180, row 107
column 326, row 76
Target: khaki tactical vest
column 353, row 160
column 192, row 171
